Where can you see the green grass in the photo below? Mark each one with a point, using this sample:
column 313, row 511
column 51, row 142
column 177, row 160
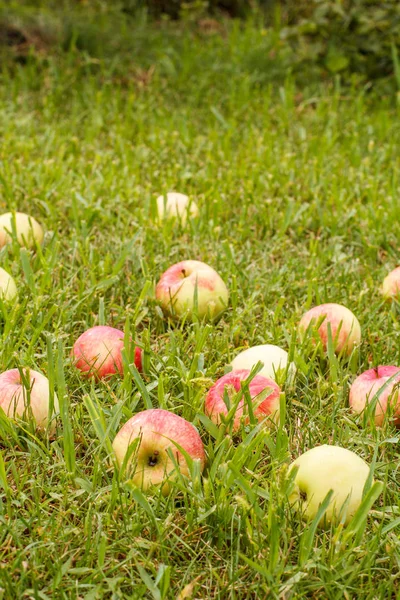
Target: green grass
column 298, row 189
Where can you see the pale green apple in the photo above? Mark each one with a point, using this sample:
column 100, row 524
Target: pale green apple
column 176, row 205
column 273, row 357
column 8, row 289
column 326, row 468
column 27, row 229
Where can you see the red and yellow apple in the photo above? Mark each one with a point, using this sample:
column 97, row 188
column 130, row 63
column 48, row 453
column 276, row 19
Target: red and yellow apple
column 345, row 328
column 16, row 400
column 27, row 229
column 157, row 460
column 391, row 284
column 264, row 394
column 380, row 384
column 273, row 357
column 176, row 205
column 191, row 288
column 98, row 352
column 326, row 468
column 8, row 289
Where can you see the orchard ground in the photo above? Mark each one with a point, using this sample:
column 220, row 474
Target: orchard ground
column 298, row 190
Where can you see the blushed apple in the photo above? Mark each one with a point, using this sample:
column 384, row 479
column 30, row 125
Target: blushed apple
column 273, row 357
column 381, row 385
column 16, row 400
column 157, row 433
column 187, row 283
column 345, row 328
column 176, row 205
column 8, row 289
column 98, row 352
column 326, row 468
column 264, row 394
column 391, row 284
column 27, row 229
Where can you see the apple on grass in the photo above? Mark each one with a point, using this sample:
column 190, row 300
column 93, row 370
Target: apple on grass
column 391, row 284
column 345, row 328
column 380, row 386
column 156, row 458
column 176, row 205
column 264, row 394
column 27, row 229
column 98, row 352
column 8, row 289
column 326, row 468
column 28, row 396
column 274, row 360
column 191, row 288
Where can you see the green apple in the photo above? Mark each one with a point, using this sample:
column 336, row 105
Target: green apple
column 326, row 468
column 192, row 287
column 273, row 357
column 176, row 205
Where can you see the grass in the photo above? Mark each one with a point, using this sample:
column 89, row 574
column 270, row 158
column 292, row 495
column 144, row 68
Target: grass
column 297, row 185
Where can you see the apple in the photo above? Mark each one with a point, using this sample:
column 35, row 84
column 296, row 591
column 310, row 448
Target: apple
column 176, row 205
column 157, row 433
column 274, row 360
column 18, row 401
column 326, row 468
column 345, row 328
column 264, row 394
column 391, row 284
column 28, row 231
column 8, row 289
column 180, row 284
column 381, row 382
column 98, row 352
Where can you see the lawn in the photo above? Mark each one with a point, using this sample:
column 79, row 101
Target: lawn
column 297, row 182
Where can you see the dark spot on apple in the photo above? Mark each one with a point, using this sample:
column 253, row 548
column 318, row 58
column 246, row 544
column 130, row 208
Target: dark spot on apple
column 153, row 459
column 303, row 496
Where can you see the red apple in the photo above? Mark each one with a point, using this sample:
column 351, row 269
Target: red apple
column 98, row 352
column 18, row 401
column 176, row 291
column 380, row 382
column 155, row 431
column 264, row 393
column 345, row 328
column 391, row 284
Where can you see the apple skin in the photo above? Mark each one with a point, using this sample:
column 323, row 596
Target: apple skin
column 366, row 385
column 391, row 284
column 28, row 231
column 98, row 352
column 176, row 205
column 339, row 317
column 326, row 468
column 8, row 288
column 175, row 290
column 262, row 406
column 273, row 357
column 13, row 397
column 157, row 430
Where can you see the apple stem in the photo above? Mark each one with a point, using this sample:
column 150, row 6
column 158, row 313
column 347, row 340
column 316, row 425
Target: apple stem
column 184, row 272
column 376, row 369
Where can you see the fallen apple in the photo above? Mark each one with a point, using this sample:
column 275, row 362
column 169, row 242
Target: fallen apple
column 157, row 460
column 27, row 229
column 380, row 385
column 192, row 288
column 391, row 284
column 264, row 395
column 32, row 400
column 98, row 352
column 8, row 288
column 175, row 205
column 273, row 357
column 345, row 328
column 326, row 468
